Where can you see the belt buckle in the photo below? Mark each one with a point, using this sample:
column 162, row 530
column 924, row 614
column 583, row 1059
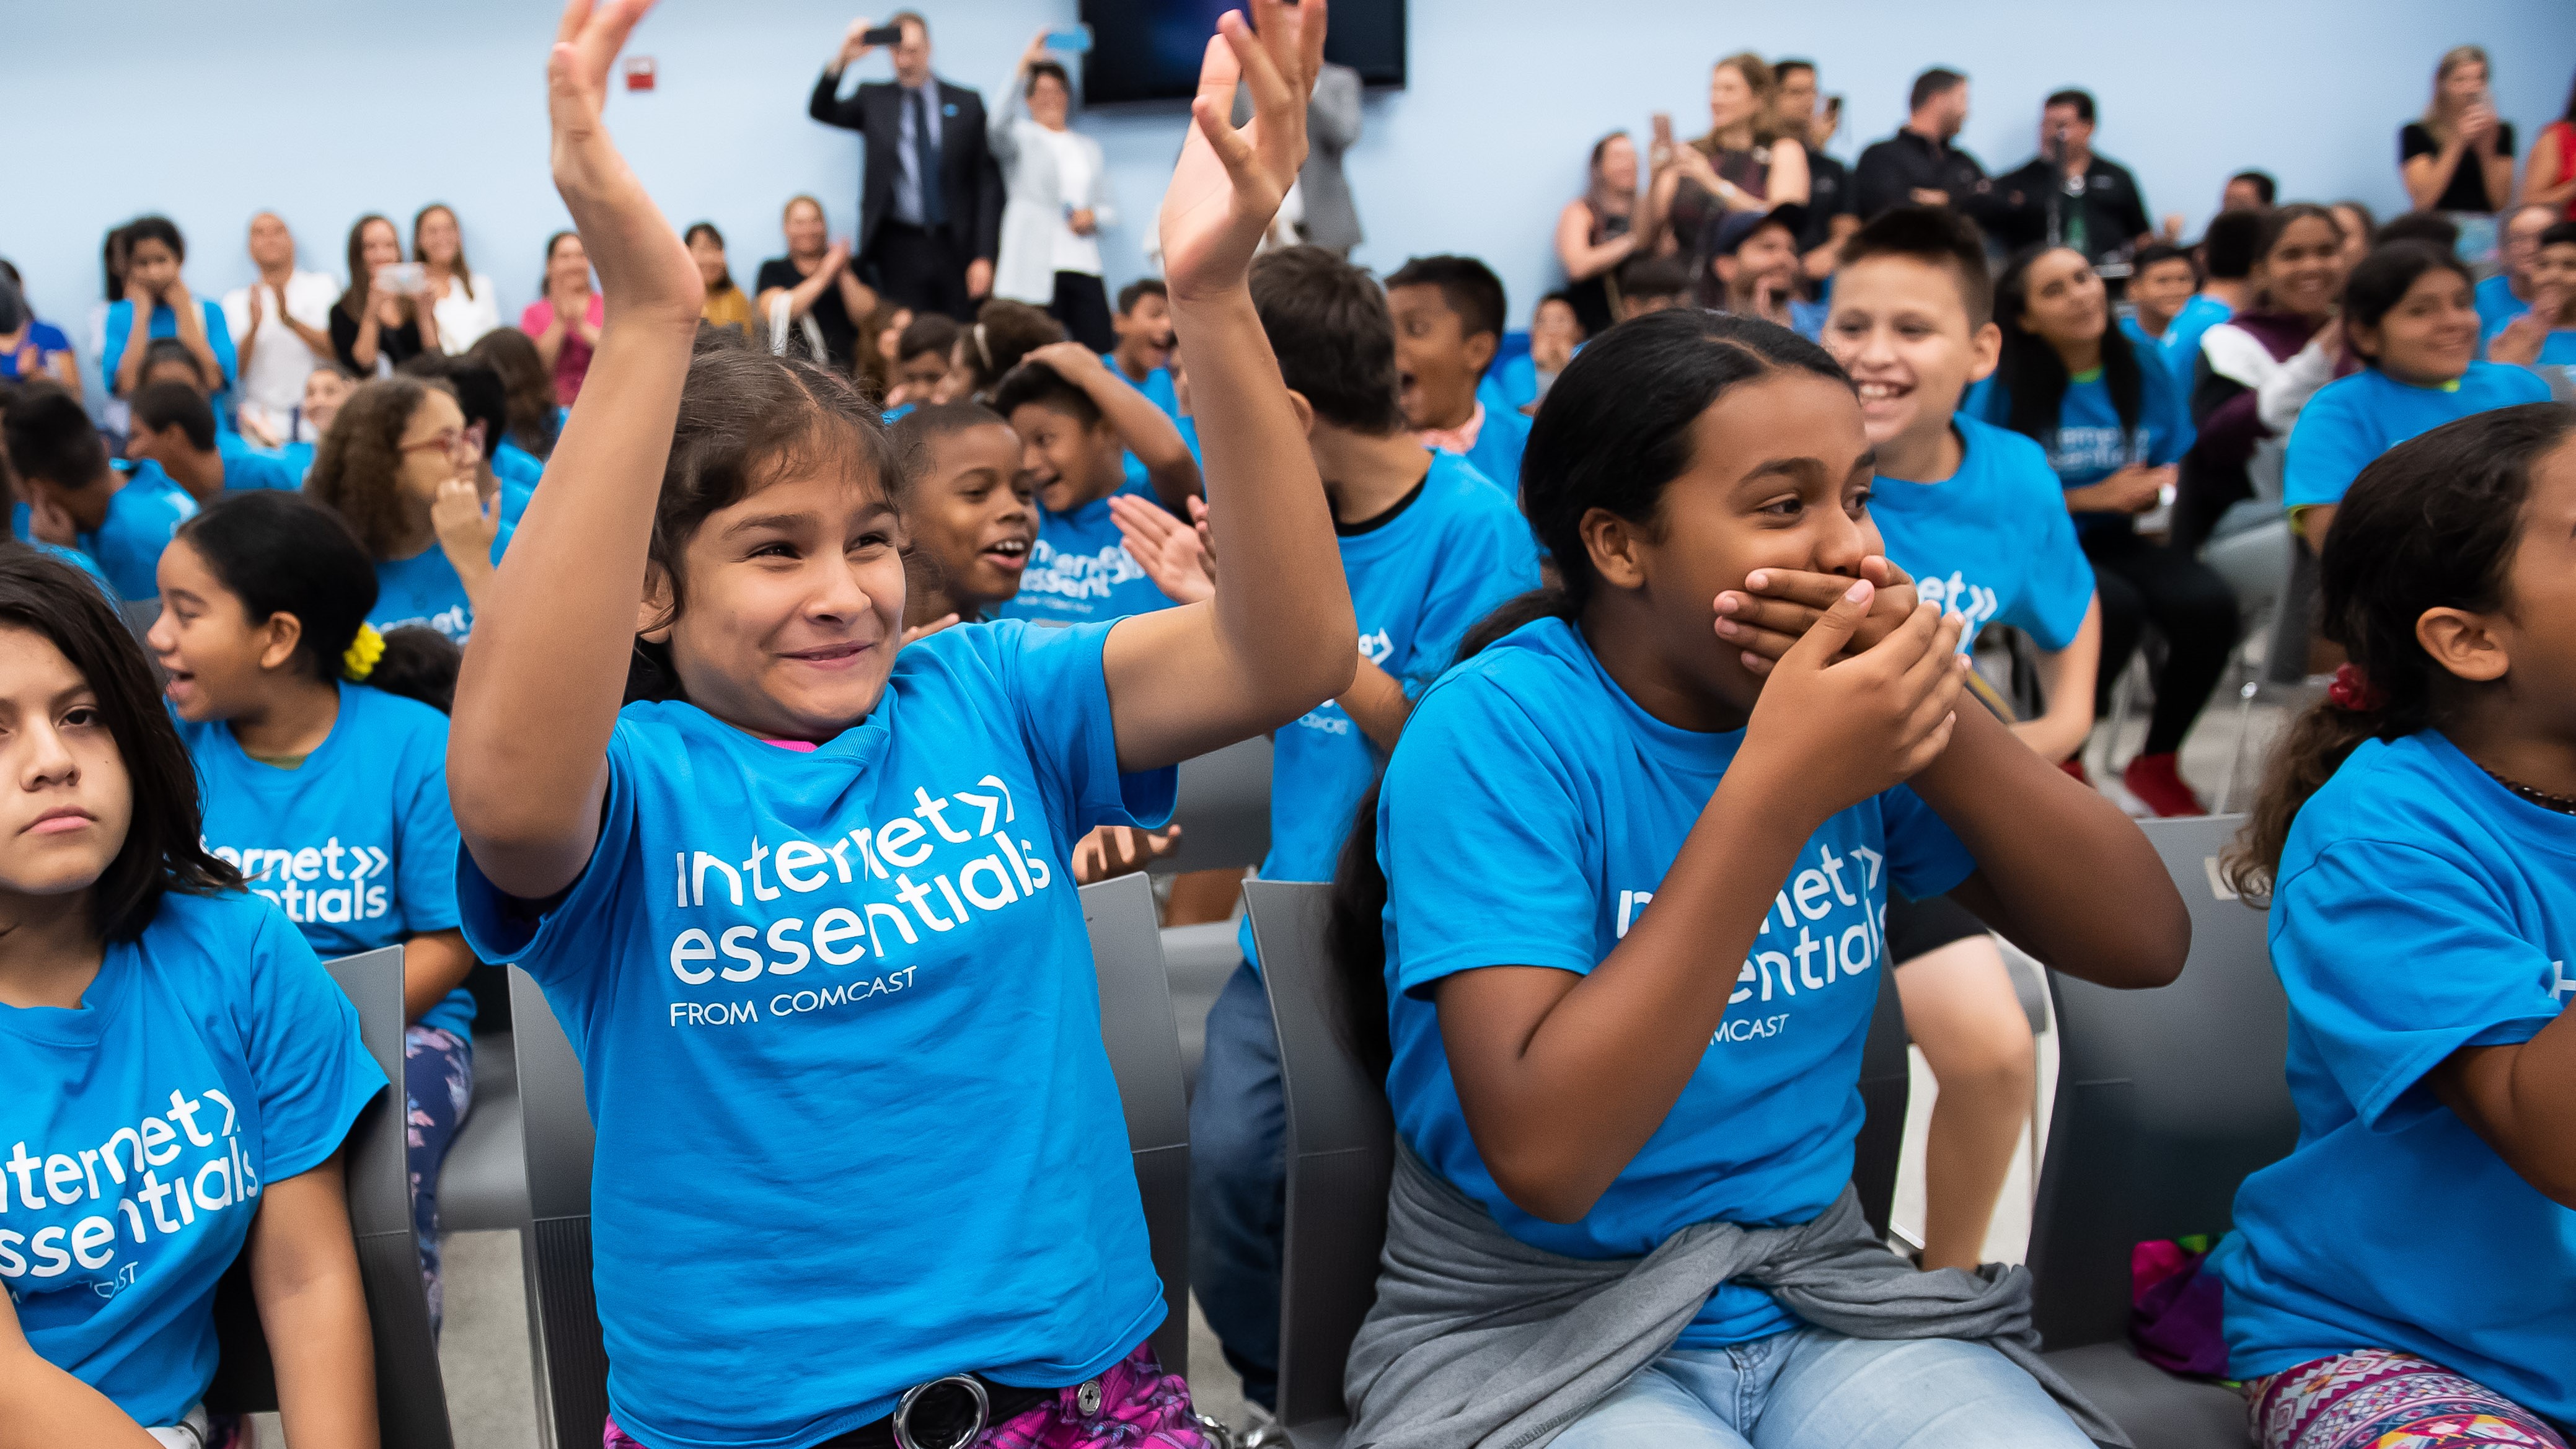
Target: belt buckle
column 902, row 1421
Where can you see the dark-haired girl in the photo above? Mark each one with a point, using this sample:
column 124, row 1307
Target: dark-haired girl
column 157, row 303
column 2406, row 1274
column 2410, row 314
column 179, row 1071
column 809, row 916
column 400, row 469
column 2113, row 422
column 329, row 798
column 2258, row 369
column 1625, row 1185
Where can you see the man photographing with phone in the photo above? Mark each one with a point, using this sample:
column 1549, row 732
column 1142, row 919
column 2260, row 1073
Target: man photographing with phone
column 930, row 197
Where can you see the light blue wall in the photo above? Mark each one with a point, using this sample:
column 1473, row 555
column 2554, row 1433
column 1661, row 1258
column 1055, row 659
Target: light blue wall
column 322, row 109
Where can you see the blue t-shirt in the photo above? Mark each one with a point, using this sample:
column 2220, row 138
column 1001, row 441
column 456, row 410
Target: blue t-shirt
column 165, row 323
column 46, row 338
column 2090, row 443
column 2181, row 342
column 212, row 1056
column 260, row 470
column 2497, row 306
column 2559, row 348
column 1497, row 454
column 18, row 515
column 356, row 844
column 1528, row 814
column 296, row 457
column 2422, row 908
column 841, row 1038
column 1081, row 572
column 515, row 465
column 1510, row 385
column 1157, row 386
column 2352, row 420
column 141, row 517
column 1993, row 542
column 422, row 589
column 1419, row 580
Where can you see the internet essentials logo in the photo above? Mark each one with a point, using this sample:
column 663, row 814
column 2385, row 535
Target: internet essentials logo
column 1078, row 575
column 1818, row 903
column 311, row 884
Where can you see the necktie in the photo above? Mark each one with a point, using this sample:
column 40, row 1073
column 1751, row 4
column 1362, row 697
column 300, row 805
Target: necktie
column 925, row 153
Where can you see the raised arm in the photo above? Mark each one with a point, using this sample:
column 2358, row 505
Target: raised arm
column 2428, row 174
column 1278, row 638
column 539, row 691
column 1575, row 250
column 1143, row 427
column 827, row 105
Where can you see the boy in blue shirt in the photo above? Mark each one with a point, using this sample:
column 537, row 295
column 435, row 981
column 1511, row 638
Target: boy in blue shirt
column 1448, row 315
column 174, row 426
column 2508, row 294
column 2544, row 335
column 1076, row 420
column 1429, row 546
column 1144, row 351
column 122, row 517
column 1974, row 513
column 2227, row 251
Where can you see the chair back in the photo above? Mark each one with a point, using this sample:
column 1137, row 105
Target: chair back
column 1144, row 1045
column 1886, row 1084
column 1341, row 1153
column 2166, row 1099
column 411, row 1399
column 1223, row 809
column 569, row 1360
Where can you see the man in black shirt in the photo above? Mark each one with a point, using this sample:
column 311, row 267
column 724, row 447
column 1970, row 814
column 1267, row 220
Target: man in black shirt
column 2069, row 196
column 1829, row 191
column 1918, row 166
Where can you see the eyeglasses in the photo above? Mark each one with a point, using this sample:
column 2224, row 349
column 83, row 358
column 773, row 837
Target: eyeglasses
column 455, row 442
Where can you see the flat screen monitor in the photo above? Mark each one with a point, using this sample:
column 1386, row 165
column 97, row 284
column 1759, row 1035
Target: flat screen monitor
column 1149, row 50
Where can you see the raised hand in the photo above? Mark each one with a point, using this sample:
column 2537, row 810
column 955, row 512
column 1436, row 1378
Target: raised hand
column 1115, row 850
column 464, row 523
column 1167, row 549
column 1847, row 728
column 643, row 268
column 1229, row 181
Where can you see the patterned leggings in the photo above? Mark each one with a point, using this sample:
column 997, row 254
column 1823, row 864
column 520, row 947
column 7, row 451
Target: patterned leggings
column 438, row 1090
column 2378, row 1399
column 1140, row 1407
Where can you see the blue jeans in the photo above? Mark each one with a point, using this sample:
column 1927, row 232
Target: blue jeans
column 1811, row 1389
column 1239, row 1183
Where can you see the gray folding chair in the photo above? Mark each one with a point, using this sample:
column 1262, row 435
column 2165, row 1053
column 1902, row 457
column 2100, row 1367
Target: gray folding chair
column 2166, row 1100
column 1341, row 1158
column 411, row 1401
column 1145, row 1055
column 1223, row 809
column 570, row 1363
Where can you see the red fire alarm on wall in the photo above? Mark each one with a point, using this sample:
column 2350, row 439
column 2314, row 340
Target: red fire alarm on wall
column 639, row 72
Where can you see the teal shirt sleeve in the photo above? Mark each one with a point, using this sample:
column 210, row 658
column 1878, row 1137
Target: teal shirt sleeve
column 2329, row 446
column 303, row 1049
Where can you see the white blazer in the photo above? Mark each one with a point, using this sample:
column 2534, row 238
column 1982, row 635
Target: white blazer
column 1033, row 222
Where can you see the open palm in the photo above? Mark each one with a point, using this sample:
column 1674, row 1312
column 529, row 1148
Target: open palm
column 1229, row 181
column 640, row 259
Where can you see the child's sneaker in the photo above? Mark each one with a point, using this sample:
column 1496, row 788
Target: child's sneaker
column 2157, row 781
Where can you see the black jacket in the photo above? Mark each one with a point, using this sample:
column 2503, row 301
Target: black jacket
column 970, row 180
column 2115, row 211
column 1889, row 172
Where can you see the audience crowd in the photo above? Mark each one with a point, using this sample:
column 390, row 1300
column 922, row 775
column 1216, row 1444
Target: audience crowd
column 1785, row 573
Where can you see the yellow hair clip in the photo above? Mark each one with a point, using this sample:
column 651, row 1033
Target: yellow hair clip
column 363, row 652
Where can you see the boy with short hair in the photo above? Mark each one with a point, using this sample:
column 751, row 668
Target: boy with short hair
column 121, row 515
column 1975, row 514
column 2227, row 288
column 2162, row 279
column 174, row 426
column 970, row 508
column 1754, row 268
column 921, row 354
column 1448, row 313
column 1429, row 545
column 1652, row 284
column 1076, row 421
column 1144, row 351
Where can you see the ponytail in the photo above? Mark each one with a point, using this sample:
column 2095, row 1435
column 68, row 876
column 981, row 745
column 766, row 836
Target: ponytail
column 2430, row 524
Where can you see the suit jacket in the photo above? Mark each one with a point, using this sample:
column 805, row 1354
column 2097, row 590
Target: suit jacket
column 1332, row 127
column 969, row 181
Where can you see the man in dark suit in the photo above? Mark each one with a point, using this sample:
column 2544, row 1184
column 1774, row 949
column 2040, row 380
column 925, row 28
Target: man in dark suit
column 930, row 198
